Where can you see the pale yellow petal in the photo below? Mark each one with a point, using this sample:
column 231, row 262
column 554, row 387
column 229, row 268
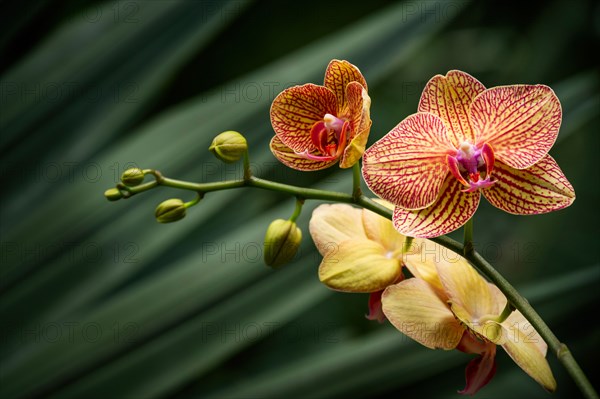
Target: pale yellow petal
column 331, row 224
column 381, row 230
column 468, row 292
column 516, row 321
column 358, row 266
column 413, row 307
column 421, row 260
column 526, row 353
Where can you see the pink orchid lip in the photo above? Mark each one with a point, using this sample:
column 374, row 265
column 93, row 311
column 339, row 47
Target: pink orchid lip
column 467, row 164
column 321, row 136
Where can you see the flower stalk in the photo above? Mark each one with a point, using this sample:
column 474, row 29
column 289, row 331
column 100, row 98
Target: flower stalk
column 514, row 298
column 468, row 238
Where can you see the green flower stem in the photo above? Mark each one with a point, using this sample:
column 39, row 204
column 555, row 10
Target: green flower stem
column 514, row 298
column 247, row 171
column 508, row 309
column 563, row 354
column 356, row 179
column 468, row 240
column 407, row 245
column 195, row 201
column 299, row 203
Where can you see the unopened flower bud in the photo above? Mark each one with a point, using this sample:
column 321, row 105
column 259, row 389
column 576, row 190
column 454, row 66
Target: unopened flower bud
column 282, row 241
column 170, row 210
column 113, row 194
column 229, row 146
column 132, row 177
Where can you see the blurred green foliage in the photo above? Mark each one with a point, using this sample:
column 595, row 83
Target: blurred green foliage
column 98, row 300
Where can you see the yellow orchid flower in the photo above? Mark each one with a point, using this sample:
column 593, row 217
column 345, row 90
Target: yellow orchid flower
column 465, row 141
column 317, row 126
column 457, row 309
column 362, row 252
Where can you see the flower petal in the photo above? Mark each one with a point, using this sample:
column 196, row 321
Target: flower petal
column 413, row 307
column 358, row 266
column 288, row 157
column 330, row 224
column 516, row 320
column 407, row 166
column 295, row 110
column 357, row 106
column 538, row 189
column 450, row 97
column 520, row 122
column 450, row 211
column 381, row 230
column 526, row 353
column 468, row 292
column 338, row 75
column 479, row 372
column 375, row 307
column 357, row 113
column 355, row 149
column 421, row 260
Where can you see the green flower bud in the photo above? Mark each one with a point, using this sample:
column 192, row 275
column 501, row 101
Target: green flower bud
column 229, row 146
column 132, row 177
column 282, row 241
column 170, row 210
column 113, row 194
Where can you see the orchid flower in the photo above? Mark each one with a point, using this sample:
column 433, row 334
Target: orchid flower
column 315, row 126
column 448, row 305
column 362, row 252
column 466, row 140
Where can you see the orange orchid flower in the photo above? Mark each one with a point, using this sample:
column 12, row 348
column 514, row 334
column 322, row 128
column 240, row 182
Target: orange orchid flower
column 466, row 140
column 315, row 126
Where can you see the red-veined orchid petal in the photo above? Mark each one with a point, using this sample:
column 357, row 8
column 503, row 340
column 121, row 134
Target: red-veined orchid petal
column 408, row 165
column 338, row 75
column 354, row 108
column 538, row 189
column 450, row 97
column 375, row 307
column 357, row 114
column 330, row 224
column 450, row 211
column 520, row 122
column 414, row 308
column 527, row 354
column 487, row 153
column 355, row 148
column 295, row 111
column 297, row 161
column 453, row 167
column 319, row 136
column 359, row 266
column 342, row 139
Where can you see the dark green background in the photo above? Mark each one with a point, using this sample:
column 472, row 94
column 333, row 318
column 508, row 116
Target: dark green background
column 99, row 300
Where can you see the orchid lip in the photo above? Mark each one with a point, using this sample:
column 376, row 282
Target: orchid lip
column 329, row 137
column 333, row 123
column 468, row 164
